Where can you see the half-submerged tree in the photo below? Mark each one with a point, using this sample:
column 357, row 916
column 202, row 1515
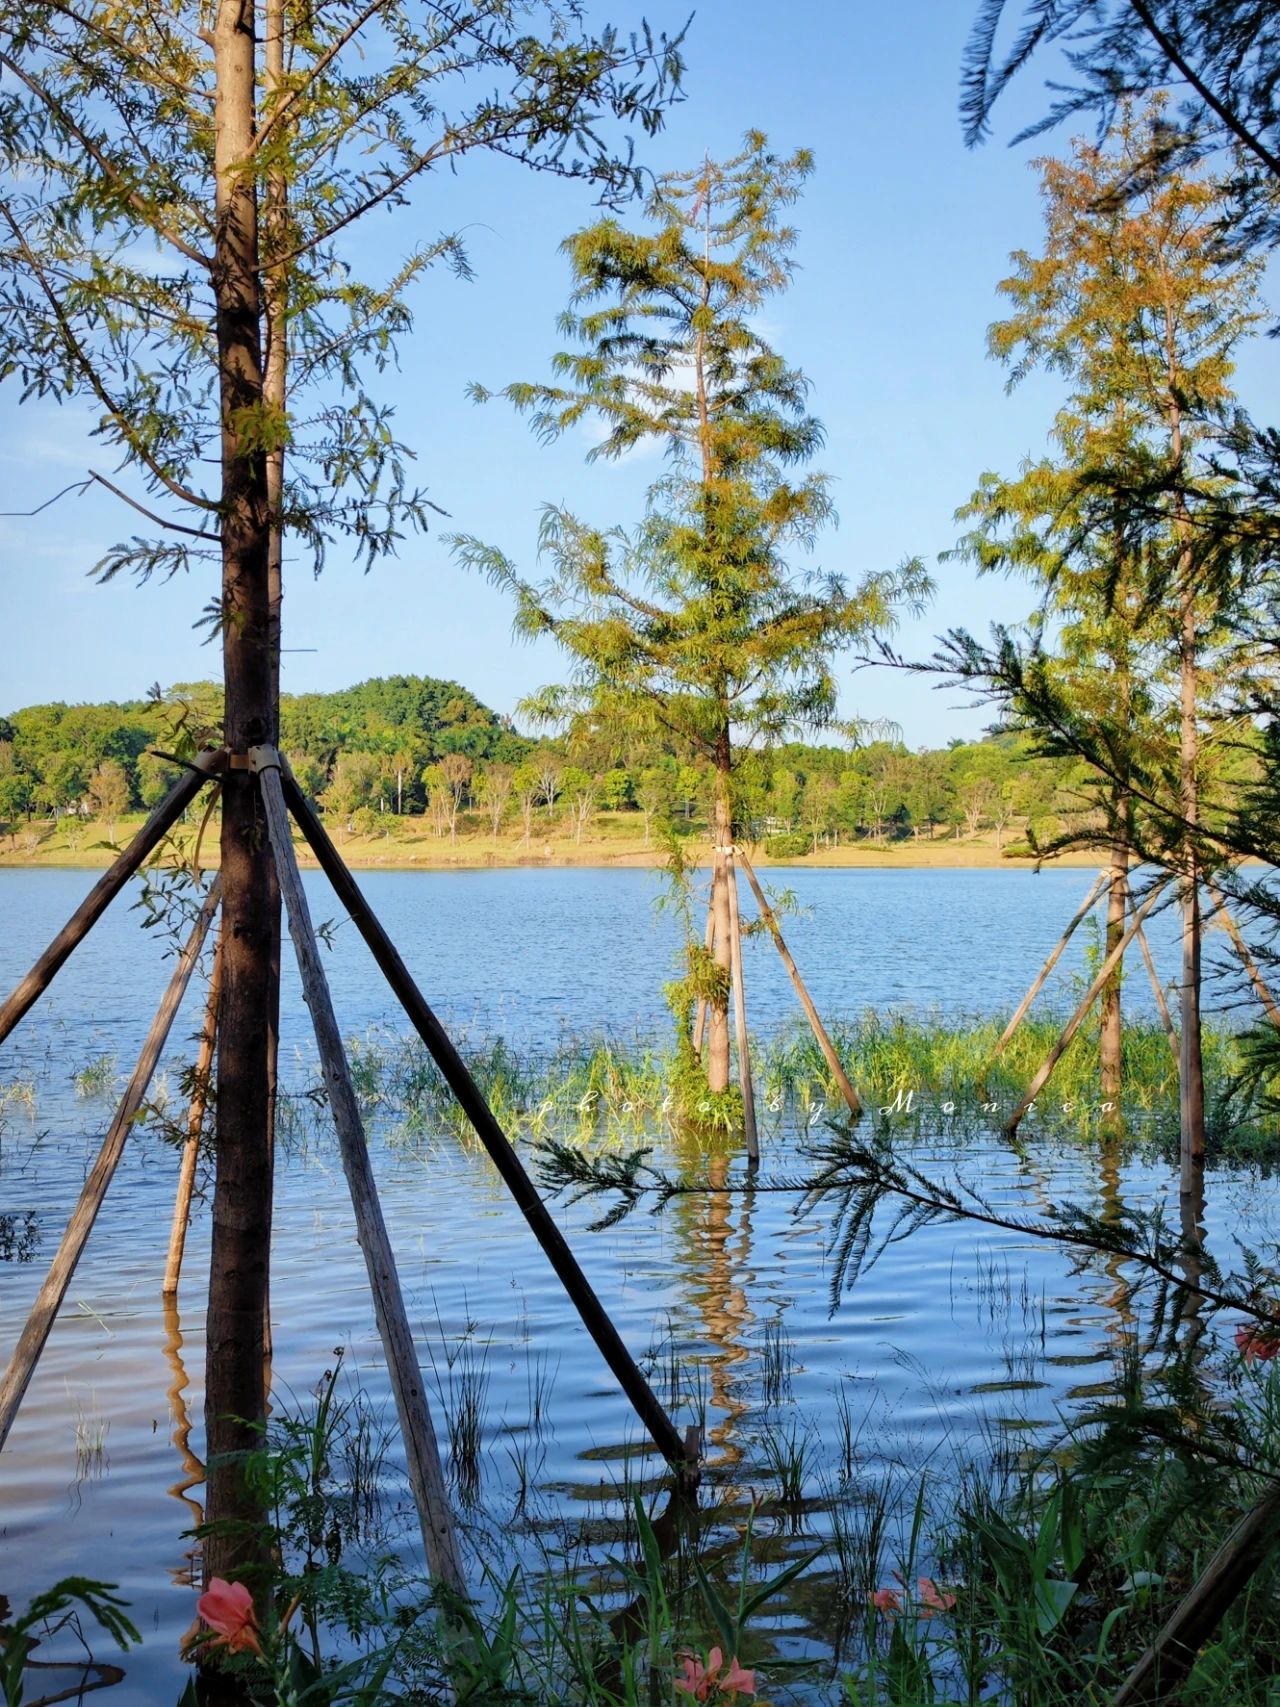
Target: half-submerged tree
column 180, row 187
column 694, row 625
column 1136, row 302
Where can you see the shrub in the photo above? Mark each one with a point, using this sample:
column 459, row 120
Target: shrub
column 792, row 844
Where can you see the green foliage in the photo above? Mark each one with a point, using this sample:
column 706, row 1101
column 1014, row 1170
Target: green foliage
column 1135, row 302
column 109, row 248
column 1219, row 56
column 694, row 627
column 50, row 1611
column 792, row 844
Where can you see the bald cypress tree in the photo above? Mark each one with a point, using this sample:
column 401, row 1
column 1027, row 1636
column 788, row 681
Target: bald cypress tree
column 695, row 625
column 181, row 184
column 1134, row 300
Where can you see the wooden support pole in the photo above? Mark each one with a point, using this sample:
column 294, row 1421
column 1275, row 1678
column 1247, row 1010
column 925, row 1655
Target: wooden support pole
column 31, row 1342
column 426, row 1476
column 1101, row 882
column 1073, row 1024
column 740, row 1015
column 1160, row 1671
column 810, row 1012
column 195, row 1126
column 700, row 1011
column 1246, row 959
column 471, row 1100
column 108, row 886
column 1157, row 990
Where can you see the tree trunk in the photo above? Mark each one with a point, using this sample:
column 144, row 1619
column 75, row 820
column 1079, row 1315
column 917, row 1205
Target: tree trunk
column 1190, row 1057
column 236, row 1320
column 1190, row 1060
column 1111, row 1040
column 740, row 1017
column 275, row 304
column 717, row 1050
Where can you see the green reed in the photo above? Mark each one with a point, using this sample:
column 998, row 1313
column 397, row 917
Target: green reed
column 935, row 1071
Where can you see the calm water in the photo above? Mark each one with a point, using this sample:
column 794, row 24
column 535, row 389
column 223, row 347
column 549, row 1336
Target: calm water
column 956, row 1340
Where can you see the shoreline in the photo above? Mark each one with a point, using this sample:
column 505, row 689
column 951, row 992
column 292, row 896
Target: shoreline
column 361, row 855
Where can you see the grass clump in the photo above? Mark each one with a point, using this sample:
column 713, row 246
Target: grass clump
column 935, row 1074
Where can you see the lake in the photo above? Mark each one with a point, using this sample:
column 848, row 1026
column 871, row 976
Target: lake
column 953, row 1344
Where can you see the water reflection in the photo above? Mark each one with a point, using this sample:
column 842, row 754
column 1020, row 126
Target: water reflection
column 712, row 1257
column 188, row 1574
column 1124, row 1331
column 1191, row 1218
column 19, row 1236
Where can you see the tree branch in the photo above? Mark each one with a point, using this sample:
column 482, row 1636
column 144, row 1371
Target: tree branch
column 90, row 373
column 1174, row 55
column 134, row 199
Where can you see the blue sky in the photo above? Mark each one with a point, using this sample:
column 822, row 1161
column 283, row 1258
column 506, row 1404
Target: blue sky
column 903, row 237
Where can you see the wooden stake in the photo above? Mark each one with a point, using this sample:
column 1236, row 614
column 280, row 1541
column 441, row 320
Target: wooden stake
column 740, row 1015
column 108, row 886
column 195, row 1126
column 1167, row 1661
column 1247, row 961
column 1101, row 882
column 31, row 1343
column 1073, row 1024
column 1157, row 990
column 811, row 1013
column 700, row 1011
column 425, row 1474
column 595, row 1319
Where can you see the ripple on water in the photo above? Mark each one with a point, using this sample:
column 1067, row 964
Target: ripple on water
column 956, row 1336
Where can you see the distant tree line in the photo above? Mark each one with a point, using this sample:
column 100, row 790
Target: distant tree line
column 387, row 752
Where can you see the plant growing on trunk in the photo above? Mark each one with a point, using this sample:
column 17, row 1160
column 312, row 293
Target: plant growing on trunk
column 693, row 627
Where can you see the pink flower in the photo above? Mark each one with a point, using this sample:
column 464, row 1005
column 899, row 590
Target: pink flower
column 697, row 1679
column 932, row 1597
column 1257, row 1343
column 227, row 1608
column 887, row 1600
column 736, row 1681
column 701, row 1681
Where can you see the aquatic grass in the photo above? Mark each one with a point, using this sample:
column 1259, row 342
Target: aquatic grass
column 591, row 1087
column 848, row 1435
column 91, row 1430
column 787, row 1456
column 97, row 1078
column 540, row 1376
column 934, row 1070
column 926, row 1072
column 777, row 1359
column 463, row 1392
column 18, row 1094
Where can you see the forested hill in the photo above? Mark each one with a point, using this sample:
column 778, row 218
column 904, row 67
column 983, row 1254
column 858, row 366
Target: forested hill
column 49, row 754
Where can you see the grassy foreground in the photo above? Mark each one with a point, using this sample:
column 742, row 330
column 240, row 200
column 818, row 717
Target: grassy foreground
column 616, row 838
column 1032, row 1573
